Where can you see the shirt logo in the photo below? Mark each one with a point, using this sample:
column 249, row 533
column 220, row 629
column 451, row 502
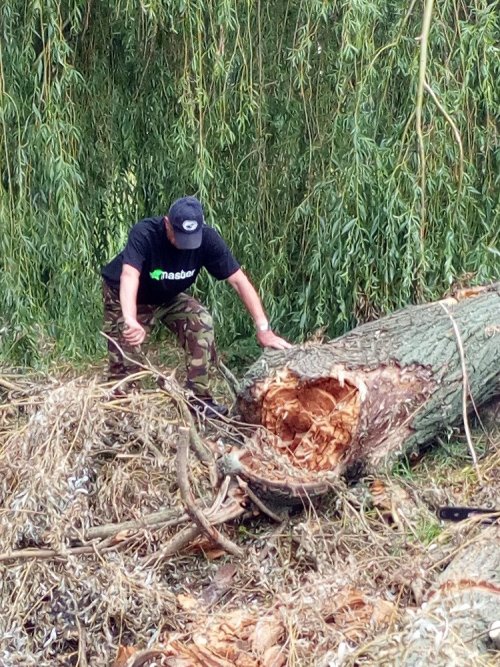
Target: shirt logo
column 189, row 225
column 159, row 274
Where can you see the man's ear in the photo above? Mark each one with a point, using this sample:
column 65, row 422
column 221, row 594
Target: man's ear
column 169, row 230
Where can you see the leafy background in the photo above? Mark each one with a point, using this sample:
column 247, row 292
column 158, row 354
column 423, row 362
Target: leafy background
column 295, row 122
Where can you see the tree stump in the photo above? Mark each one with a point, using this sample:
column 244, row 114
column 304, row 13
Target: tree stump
column 363, row 399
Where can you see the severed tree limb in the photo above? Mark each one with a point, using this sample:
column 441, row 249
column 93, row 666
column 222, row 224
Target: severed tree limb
column 174, row 544
column 189, row 501
column 54, row 554
column 164, row 518
column 200, row 449
column 453, row 625
column 355, row 404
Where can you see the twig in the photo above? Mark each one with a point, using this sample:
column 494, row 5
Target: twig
column 174, row 544
column 53, row 554
column 231, row 381
column 224, row 488
column 465, row 389
column 200, row 449
column 188, row 498
column 82, row 645
column 166, row 518
column 9, row 385
column 257, row 501
column 172, row 387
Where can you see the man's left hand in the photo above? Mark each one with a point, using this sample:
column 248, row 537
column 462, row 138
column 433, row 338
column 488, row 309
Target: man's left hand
column 270, row 339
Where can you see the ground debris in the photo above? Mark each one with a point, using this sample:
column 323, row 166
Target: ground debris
column 89, row 494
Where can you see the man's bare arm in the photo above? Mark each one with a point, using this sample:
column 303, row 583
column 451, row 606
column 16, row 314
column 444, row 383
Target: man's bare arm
column 248, row 294
column 134, row 333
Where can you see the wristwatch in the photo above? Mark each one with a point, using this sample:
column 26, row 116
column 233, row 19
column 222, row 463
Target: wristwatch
column 263, row 326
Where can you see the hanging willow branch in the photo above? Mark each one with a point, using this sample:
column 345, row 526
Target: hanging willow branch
column 456, row 134
column 424, row 41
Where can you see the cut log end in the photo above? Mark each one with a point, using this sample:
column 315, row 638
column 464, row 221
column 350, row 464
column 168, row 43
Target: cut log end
column 331, row 423
column 314, row 421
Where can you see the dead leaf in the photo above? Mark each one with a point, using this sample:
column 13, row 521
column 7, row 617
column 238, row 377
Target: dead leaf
column 220, row 584
column 383, row 612
column 225, row 573
column 124, row 653
column 121, row 536
column 266, row 634
column 209, row 547
column 187, row 602
column 274, row 657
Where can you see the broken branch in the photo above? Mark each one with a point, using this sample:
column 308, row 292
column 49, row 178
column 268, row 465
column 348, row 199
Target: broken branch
column 189, row 501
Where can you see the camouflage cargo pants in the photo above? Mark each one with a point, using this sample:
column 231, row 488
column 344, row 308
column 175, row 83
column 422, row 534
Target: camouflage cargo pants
column 185, row 317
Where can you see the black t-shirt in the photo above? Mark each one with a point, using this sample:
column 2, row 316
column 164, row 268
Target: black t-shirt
column 165, row 270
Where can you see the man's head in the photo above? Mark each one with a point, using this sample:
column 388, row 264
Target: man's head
column 184, row 223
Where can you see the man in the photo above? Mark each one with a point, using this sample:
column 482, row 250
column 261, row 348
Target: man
column 147, row 282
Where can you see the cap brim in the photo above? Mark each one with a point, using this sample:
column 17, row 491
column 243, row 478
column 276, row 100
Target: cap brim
column 188, row 241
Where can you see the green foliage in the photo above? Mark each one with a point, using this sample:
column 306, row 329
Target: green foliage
column 293, row 121
column 427, row 531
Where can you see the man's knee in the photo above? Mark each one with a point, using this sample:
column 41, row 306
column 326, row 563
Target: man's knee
column 205, row 318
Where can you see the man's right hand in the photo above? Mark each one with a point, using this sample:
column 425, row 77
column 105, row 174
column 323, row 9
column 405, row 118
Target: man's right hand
column 133, row 333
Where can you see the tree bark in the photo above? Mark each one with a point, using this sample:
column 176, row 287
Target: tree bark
column 452, row 627
column 385, row 388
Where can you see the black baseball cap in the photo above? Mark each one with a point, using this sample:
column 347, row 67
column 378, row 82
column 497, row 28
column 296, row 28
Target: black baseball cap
column 186, row 217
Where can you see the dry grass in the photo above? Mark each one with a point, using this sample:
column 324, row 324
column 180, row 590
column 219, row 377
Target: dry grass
column 333, row 584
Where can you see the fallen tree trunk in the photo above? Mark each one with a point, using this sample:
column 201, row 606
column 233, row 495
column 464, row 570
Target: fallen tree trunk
column 452, row 628
column 384, row 388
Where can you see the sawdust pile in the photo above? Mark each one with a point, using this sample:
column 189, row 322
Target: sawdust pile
column 322, row 588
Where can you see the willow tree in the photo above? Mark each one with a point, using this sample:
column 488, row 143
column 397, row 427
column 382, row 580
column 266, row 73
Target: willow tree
column 348, row 179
